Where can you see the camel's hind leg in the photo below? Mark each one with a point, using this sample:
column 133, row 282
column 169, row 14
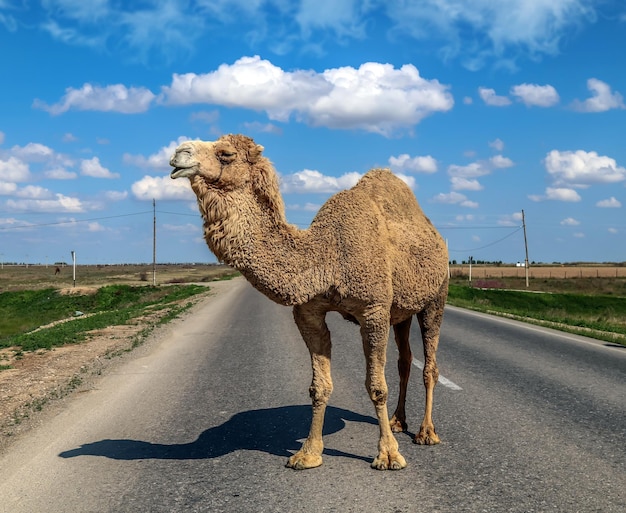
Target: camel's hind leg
column 430, row 323
column 405, row 359
column 312, row 325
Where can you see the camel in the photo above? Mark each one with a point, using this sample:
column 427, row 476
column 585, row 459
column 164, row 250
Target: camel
column 370, row 254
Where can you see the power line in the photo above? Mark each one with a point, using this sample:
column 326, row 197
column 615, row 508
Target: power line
column 487, row 245
column 73, row 221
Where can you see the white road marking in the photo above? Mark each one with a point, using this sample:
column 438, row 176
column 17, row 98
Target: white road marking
column 444, row 381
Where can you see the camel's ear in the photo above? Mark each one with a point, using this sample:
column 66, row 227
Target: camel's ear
column 254, row 153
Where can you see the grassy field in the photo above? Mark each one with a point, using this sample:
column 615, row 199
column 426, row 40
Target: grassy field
column 585, row 299
column 35, row 302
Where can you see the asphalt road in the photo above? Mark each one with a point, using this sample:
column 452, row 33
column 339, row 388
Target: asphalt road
column 204, row 419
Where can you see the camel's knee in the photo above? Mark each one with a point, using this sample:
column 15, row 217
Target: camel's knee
column 378, row 394
column 320, row 394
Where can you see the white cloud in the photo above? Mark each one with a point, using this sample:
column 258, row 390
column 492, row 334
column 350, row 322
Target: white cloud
column 1, row 137
column 579, row 235
column 570, row 221
column 562, row 194
column 602, row 98
column 7, row 188
column 14, row 170
column 41, row 154
column 112, row 98
column 375, row 97
column 33, row 152
column 497, row 145
column 162, row 188
column 62, row 203
column 473, row 170
column 60, row 173
column 115, row 195
column 579, row 169
column 557, row 194
column 454, row 198
column 612, row 202
column 313, row 181
column 533, row 95
column 93, row 168
column 482, row 30
column 33, row 192
column 613, row 231
column 465, row 184
column 479, row 168
column 405, row 162
column 159, row 160
column 490, row 98
column 500, row 162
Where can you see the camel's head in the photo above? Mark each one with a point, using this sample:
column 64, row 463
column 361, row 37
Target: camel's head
column 225, row 163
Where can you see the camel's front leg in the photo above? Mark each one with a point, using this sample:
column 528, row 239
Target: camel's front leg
column 314, row 331
column 375, row 332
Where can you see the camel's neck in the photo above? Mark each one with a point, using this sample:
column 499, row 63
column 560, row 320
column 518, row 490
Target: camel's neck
column 278, row 259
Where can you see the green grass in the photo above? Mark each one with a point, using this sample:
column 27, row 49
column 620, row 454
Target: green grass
column 599, row 316
column 24, row 311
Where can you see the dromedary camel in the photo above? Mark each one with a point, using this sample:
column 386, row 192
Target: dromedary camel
column 370, row 254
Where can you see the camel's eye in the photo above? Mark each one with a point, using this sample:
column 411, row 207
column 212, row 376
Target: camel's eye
column 226, row 156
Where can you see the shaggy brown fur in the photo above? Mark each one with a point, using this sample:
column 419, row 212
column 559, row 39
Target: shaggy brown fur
column 369, row 254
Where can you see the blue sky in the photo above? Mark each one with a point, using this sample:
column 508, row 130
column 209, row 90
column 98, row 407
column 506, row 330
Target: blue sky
column 484, row 108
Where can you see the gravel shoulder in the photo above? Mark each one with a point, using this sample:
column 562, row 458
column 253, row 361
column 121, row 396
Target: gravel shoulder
column 38, row 383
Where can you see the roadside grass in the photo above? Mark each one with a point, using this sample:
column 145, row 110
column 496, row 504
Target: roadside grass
column 23, row 312
column 599, row 316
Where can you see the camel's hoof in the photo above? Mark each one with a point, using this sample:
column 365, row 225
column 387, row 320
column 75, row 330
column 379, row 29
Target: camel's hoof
column 301, row 461
column 387, row 462
column 397, row 425
column 426, row 437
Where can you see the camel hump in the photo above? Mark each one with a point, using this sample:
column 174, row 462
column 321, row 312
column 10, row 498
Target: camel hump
column 390, row 192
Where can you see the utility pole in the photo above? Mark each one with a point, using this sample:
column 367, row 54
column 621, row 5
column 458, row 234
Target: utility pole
column 74, row 267
column 525, row 246
column 153, row 242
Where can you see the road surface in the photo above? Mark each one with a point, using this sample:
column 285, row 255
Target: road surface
column 205, row 417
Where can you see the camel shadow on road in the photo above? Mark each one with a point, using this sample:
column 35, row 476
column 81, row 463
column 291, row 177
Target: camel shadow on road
column 277, row 431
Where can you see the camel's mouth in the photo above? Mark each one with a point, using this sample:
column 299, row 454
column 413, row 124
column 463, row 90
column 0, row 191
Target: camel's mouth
column 179, row 172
